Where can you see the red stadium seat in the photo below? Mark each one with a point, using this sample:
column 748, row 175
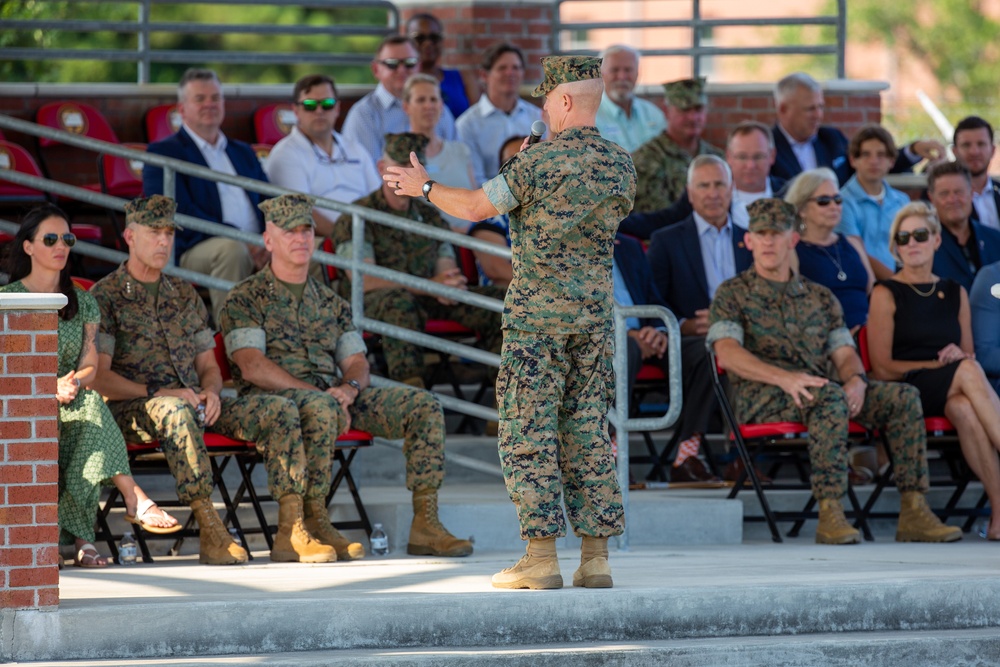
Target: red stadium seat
column 262, row 151
column 15, row 158
column 273, row 122
column 121, row 177
column 162, row 121
column 75, row 117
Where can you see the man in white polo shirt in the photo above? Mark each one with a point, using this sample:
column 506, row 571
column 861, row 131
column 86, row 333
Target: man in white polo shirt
column 316, row 160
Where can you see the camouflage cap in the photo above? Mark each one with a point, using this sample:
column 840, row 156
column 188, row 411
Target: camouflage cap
column 155, row 212
column 566, row 69
column 289, row 211
column 686, row 93
column 399, row 146
column 770, row 214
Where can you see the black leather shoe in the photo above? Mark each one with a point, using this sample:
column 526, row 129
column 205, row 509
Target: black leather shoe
column 733, row 470
column 692, row 470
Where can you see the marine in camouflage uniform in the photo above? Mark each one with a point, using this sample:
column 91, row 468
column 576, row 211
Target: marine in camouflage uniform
column 798, row 326
column 157, row 336
column 661, row 164
column 565, row 198
column 306, row 331
column 416, row 255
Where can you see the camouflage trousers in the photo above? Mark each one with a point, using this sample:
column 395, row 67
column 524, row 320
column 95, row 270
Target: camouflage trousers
column 891, row 407
column 405, row 309
column 553, row 394
column 269, row 421
column 403, row 412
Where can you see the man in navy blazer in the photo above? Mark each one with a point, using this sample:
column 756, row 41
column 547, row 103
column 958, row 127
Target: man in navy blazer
column 966, row 245
column 973, row 143
column 802, row 142
column 689, row 261
column 201, row 141
column 647, row 343
column 749, row 154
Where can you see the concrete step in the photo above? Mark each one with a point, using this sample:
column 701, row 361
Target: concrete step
column 949, row 648
column 752, row 595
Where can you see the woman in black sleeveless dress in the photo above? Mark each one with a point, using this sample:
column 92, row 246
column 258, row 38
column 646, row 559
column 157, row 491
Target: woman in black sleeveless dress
column 920, row 332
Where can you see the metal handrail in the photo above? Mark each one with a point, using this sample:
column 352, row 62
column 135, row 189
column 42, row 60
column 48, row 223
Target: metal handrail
column 143, row 28
column 697, row 23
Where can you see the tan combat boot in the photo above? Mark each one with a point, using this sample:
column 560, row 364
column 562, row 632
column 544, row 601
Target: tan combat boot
column 538, row 568
column 917, row 523
column 216, row 545
column 594, row 570
column 427, row 536
column 293, row 543
column 317, row 520
column 833, row 527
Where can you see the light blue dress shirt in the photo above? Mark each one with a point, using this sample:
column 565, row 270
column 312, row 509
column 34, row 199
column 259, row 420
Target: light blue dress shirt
column 379, row 113
column 716, row 252
column 865, row 217
column 622, row 295
column 484, row 128
column 646, row 122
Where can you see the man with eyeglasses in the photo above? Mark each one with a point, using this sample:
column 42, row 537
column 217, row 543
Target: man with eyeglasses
column 316, row 160
column 779, row 337
column 380, row 112
column 966, row 244
column 200, row 140
column 749, row 154
column 500, row 112
column 869, row 202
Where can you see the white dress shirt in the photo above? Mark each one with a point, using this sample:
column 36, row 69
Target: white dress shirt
column 236, row 207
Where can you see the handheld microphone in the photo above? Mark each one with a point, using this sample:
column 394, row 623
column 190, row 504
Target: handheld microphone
column 537, row 130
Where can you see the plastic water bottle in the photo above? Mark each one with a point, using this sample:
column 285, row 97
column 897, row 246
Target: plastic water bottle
column 379, row 541
column 127, row 550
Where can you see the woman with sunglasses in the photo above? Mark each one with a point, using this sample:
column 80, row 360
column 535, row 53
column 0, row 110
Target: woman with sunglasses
column 457, row 91
column 833, row 260
column 920, row 332
column 91, row 449
column 447, row 162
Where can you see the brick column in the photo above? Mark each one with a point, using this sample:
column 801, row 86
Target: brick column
column 29, row 577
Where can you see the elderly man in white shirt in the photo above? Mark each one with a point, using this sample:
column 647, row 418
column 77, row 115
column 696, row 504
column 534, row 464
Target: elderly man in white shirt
column 623, row 118
column 500, row 113
column 380, row 112
column 315, row 159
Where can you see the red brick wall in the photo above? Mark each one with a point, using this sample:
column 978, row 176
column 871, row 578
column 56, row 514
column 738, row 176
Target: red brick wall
column 29, row 577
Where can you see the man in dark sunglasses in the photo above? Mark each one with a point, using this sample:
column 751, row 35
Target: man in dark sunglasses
column 315, row 159
column 380, row 112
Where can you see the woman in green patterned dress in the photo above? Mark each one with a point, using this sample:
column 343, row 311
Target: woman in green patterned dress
column 91, row 449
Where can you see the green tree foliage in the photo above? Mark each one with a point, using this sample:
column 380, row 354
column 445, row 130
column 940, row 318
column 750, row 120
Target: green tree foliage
column 81, row 70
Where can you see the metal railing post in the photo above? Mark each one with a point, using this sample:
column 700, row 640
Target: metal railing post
column 696, row 36
column 357, row 277
column 169, row 183
column 143, row 42
column 841, row 39
column 621, row 413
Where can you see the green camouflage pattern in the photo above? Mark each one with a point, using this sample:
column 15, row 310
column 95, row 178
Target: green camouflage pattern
column 155, row 211
column 565, row 198
column 771, row 214
column 566, row 69
column 152, row 340
column 553, row 395
column 156, row 341
column 289, row 211
column 661, row 169
column 308, row 339
column 399, row 146
column 797, row 330
column 417, row 255
column 271, row 422
column 686, row 93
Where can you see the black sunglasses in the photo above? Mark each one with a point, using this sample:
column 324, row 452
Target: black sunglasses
column 825, row 200
column 312, row 105
column 434, row 37
column 394, row 63
column 50, row 240
column 919, row 235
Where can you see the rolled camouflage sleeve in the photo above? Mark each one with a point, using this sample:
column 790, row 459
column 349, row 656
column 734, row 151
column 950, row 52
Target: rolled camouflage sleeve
column 724, row 317
column 839, row 335
column 242, row 324
column 500, row 195
column 350, row 343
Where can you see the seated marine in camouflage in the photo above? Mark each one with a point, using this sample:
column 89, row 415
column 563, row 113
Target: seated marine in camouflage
column 289, row 335
column 777, row 334
column 159, row 374
column 419, row 256
column 661, row 163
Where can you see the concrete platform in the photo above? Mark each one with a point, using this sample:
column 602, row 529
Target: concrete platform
column 794, row 603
